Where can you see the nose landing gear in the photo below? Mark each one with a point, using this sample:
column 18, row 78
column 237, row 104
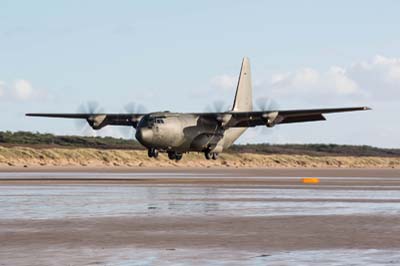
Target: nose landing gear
column 152, row 153
column 211, row 155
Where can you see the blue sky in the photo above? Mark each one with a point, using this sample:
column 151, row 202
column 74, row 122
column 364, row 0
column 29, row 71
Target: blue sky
column 184, row 56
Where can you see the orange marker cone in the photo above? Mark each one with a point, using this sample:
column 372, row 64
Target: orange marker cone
column 310, row 180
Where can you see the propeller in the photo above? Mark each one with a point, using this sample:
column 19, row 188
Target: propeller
column 134, row 108
column 131, row 108
column 266, row 104
column 90, row 107
column 217, row 107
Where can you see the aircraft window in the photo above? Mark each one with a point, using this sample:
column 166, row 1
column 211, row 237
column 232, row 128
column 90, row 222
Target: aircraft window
column 144, row 121
column 150, row 122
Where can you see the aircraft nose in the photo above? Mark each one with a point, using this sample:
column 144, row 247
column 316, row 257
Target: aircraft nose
column 144, row 135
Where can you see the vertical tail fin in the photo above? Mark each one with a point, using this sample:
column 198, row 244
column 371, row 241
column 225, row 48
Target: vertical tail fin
column 244, row 95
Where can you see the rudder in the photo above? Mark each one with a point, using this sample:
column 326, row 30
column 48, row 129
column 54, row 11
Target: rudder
column 244, row 96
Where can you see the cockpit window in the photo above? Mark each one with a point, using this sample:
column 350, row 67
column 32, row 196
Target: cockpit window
column 148, row 121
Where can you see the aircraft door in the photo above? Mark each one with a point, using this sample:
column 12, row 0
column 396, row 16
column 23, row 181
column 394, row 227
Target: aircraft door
column 158, row 123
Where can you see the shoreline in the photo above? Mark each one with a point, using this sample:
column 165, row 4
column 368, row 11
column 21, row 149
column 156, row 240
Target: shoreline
column 196, row 173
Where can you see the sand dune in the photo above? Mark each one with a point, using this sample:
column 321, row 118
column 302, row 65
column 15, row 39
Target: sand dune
column 27, row 157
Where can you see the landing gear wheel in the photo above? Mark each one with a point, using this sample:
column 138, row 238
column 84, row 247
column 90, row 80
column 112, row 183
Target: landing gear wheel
column 152, row 152
column 215, row 155
column 178, row 156
column 175, row 156
column 208, row 155
column 155, row 153
column 171, row 155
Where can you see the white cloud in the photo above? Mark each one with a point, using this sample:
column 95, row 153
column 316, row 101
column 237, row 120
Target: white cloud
column 339, row 81
column 308, row 80
column 23, row 89
column 375, row 80
column 2, row 84
column 379, row 78
column 366, row 82
column 225, row 82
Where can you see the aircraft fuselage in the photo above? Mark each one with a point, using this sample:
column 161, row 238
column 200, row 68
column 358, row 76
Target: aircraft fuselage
column 180, row 133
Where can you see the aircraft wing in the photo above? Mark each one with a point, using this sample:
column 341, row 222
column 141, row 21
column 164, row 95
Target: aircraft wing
column 274, row 117
column 99, row 120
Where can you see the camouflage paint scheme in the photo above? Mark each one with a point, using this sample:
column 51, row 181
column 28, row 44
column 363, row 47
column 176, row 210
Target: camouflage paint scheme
column 211, row 133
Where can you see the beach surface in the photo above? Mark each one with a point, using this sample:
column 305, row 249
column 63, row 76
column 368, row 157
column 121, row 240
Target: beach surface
column 199, row 216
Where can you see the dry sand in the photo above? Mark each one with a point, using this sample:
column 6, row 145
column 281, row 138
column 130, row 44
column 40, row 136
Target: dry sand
column 30, row 157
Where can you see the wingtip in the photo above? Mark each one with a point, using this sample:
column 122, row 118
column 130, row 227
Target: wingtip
column 367, row 108
column 32, row 114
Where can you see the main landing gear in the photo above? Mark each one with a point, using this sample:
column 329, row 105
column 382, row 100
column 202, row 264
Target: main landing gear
column 211, row 155
column 152, row 153
column 172, row 155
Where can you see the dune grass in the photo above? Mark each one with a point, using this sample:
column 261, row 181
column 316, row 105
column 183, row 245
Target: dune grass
column 27, row 156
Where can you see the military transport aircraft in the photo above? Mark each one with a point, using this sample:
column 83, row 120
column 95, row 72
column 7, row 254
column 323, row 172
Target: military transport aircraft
column 210, row 132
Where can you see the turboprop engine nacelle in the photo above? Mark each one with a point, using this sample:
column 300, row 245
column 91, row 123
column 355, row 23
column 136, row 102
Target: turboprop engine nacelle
column 97, row 121
column 223, row 119
column 271, row 119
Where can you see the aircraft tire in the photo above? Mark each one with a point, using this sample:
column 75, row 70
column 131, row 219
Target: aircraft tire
column 215, row 155
column 171, row 155
column 178, row 156
column 152, row 153
column 208, row 155
column 155, row 153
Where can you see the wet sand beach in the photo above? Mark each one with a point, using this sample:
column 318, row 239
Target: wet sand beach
column 199, row 217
